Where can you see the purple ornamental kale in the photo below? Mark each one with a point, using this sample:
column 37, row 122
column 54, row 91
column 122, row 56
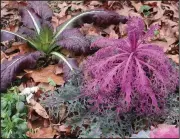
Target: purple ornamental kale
column 129, row 74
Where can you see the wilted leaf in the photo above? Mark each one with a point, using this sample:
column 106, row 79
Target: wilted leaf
column 10, row 69
column 39, row 109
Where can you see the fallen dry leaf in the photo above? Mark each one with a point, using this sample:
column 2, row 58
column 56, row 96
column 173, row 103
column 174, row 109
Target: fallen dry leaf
column 123, row 29
column 175, row 58
column 43, row 75
column 22, row 47
column 136, row 5
column 58, row 70
column 90, row 29
column 46, row 87
column 4, row 57
column 161, row 44
column 124, row 11
column 39, row 109
column 110, row 30
column 42, row 133
column 95, row 3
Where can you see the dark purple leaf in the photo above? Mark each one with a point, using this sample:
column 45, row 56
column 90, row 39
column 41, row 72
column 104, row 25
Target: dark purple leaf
column 41, row 12
column 27, row 32
column 27, row 20
column 98, row 17
column 6, row 36
column 10, row 69
column 129, row 74
column 73, row 39
column 41, row 8
column 107, row 17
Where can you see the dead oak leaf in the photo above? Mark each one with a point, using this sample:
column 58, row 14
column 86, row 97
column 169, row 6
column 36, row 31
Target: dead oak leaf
column 22, row 47
column 162, row 44
column 58, row 70
column 175, row 58
column 46, row 87
column 110, row 30
column 39, row 109
column 136, row 5
column 43, row 75
column 124, row 11
column 4, row 57
column 42, row 133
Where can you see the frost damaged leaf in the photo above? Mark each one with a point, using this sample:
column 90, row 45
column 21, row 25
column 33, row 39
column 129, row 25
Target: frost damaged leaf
column 10, row 69
column 73, row 39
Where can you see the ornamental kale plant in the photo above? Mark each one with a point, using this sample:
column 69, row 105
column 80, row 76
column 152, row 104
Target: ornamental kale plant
column 37, row 30
column 129, row 74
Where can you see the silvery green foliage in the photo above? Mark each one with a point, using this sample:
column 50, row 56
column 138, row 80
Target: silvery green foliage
column 89, row 124
column 172, row 116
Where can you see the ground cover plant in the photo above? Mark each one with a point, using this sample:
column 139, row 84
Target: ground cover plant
column 89, row 69
column 13, row 115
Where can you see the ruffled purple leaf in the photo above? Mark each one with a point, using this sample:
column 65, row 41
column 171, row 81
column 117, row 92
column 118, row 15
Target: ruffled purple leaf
column 73, row 39
column 10, row 69
column 129, row 76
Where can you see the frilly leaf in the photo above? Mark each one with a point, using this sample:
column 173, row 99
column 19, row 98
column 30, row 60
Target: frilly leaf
column 10, row 69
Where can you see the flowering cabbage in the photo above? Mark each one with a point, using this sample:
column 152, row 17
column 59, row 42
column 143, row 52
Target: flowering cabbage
column 129, row 74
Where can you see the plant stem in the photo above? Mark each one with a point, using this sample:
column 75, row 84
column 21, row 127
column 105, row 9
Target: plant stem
column 63, row 58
